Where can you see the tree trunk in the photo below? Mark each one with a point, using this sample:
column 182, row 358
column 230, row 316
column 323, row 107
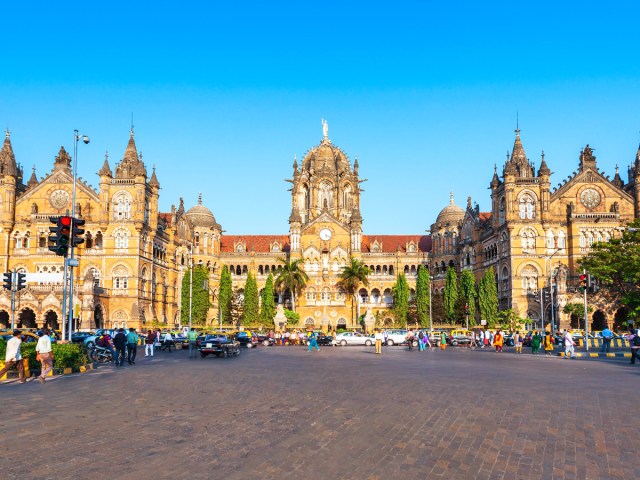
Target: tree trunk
column 293, row 302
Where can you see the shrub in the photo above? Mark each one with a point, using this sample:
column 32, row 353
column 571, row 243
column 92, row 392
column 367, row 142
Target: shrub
column 64, row 355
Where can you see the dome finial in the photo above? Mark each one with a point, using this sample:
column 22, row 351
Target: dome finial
column 7, row 134
column 451, row 201
column 200, row 198
column 325, row 129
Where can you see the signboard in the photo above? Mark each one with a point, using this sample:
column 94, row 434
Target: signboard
column 44, row 278
column 483, row 322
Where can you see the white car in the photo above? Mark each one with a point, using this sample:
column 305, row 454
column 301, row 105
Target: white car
column 354, row 338
column 396, row 337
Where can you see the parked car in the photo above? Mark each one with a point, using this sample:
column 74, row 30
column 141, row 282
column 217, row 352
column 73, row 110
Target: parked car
column 263, row 339
column 395, row 337
column 27, row 337
column 245, row 339
column 354, row 338
column 80, row 337
column 219, row 345
column 458, row 339
column 321, row 338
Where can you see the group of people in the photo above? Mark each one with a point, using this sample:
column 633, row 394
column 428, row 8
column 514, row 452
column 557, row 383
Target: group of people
column 44, row 355
column 124, row 344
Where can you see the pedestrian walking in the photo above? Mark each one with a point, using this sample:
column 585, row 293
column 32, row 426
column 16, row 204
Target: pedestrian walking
column 517, row 342
column 634, row 342
column 443, row 340
column 485, row 339
column 44, row 354
column 120, row 342
column 149, row 343
column 569, row 348
column 313, row 342
column 409, row 339
column 13, row 357
column 385, row 336
column 427, row 342
column 498, row 341
column 168, row 342
column 379, row 339
column 535, row 343
column 132, row 346
column 193, row 351
column 607, row 336
column 548, row 343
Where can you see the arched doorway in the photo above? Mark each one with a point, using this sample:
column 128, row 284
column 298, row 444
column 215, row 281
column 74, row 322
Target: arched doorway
column 98, row 317
column 5, row 319
column 27, row 319
column 575, row 322
column 51, row 320
column 309, row 323
column 599, row 321
column 620, row 320
column 341, row 324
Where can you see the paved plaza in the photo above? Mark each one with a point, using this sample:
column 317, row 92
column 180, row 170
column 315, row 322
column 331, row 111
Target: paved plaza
column 281, row 412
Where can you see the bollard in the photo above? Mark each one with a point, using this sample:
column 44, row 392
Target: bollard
column 3, row 377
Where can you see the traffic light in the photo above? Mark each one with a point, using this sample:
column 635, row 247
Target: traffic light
column 77, row 232
column 59, row 243
column 582, row 286
column 466, row 309
column 21, row 281
column 7, row 281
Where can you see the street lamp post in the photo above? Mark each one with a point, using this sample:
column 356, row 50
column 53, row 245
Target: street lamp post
column 190, row 288
column 430, row 307
column 72, row 262
column 553, row 317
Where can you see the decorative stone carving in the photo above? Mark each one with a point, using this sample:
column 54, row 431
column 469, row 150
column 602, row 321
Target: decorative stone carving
column 59, row 199
column 280, row 320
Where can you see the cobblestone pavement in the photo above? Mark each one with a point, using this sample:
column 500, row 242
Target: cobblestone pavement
column 282, row 413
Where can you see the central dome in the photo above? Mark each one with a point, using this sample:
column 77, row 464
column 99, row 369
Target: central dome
column 325, row 155
column 201, row 216
column 451, row 213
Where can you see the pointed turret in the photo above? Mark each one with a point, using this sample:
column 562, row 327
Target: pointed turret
column 33, row 181
column 153, row 181
column 62, row 161
column 638, row 157
column 105, row 171
column 543, row 170
column 7, row 158
column 617, row 180
column 518, row 163
column 495, row 181
column 355, row 167
column 131, row 165
column 295, row 164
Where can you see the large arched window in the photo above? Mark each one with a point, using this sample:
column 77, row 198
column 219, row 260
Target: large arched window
column 311, row 294
column 527, row 206
column 502, row 211
column 325, row 195
column 561, row 240
column 529, row 279
column 120, row 278
column 528, row 240
column 122, row 206
column 121, row 238
column 551, row 244
column 347, row 201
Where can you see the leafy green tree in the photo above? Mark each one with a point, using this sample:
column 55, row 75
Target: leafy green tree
column 268, row 308
column 576, row 309
column 400, row 293
column 450, row 294
column 488, row 297
column 510, row 320
column 469, row 294
column 197, row 278
column 353, row 275
column 616, row 266
column 293, row 318
column 423, row 285
column 250, row 311
column 293, row 278
column 225, row 295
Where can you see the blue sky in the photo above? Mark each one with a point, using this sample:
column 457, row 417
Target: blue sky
column 225, row 93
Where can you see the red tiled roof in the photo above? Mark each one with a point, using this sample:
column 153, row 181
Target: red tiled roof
column 166, row 217
column 484, row 216
column 390, row 243
column 256, row 243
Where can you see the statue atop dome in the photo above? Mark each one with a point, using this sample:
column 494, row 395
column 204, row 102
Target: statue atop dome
column 325, row 129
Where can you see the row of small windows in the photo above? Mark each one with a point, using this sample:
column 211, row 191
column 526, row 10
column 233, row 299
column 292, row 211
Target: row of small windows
column 24, row 240
column 528, row 238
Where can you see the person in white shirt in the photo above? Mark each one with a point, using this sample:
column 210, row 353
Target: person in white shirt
column 569, row 350
column 13, row 356
column 43, row 349
column 168, row 342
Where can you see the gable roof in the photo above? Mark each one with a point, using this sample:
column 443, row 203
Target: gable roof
column 391, row 243
column 256, row 243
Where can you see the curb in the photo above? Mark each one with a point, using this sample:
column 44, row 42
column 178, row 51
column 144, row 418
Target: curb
column 598, row 355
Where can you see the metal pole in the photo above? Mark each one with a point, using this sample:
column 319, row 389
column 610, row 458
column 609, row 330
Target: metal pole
column 586, row 315
column 430, row 309
column 190, row 290
column 64, row 300
column 553, row 316
column 542, row 308
column 13, row 299
column 73, row 214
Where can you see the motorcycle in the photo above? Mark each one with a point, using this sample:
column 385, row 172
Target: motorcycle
column 101, row 355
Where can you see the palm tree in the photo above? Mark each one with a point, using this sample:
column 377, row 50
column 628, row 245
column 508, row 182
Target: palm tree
column 291, row 277
column 352, row 276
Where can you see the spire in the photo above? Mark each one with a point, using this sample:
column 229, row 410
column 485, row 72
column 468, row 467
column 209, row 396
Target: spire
column 7, row 158
column 33, row 181
column 62, row 161
column 200, row 198
column 295, row 163
column 517, row 155
column 495, row 181
column 543, row 170
column 355, row 166
column 638, row 157
column 106, row 169
column 451, row 200
column 131, row 165
column 617, row 181
column 130, row 152
column 153, row 181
